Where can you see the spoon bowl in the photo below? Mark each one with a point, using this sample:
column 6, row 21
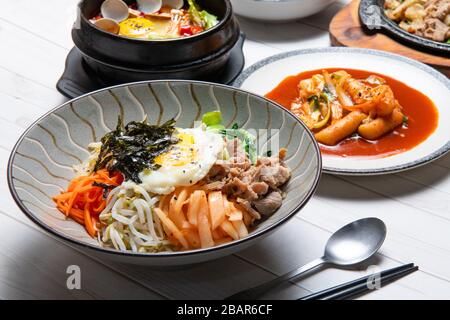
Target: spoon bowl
column 355, row 242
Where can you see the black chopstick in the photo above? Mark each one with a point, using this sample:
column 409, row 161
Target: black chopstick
column 359, row 286
column 361, row 289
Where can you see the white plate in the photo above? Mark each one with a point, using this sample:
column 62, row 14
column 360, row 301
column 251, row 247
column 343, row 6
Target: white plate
column 265, row 75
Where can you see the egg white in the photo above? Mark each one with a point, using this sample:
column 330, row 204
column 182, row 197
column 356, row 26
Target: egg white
column 208, row 148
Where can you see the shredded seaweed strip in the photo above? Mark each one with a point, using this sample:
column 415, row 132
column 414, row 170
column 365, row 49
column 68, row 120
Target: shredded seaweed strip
column 132, row 148
column 106, row 188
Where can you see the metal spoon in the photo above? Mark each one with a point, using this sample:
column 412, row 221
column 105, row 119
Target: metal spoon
column 349, row 246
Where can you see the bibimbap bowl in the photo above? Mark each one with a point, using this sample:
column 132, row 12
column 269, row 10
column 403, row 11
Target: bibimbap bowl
column 41, row 164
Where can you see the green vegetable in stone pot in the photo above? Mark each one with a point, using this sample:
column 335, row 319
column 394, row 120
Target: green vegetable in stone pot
column 201, row 17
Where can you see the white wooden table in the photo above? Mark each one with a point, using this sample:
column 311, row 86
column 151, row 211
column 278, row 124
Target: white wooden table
column 415, row 205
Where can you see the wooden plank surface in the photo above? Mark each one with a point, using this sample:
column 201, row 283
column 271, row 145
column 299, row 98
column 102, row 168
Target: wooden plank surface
column 345, row 30
column 413, row 204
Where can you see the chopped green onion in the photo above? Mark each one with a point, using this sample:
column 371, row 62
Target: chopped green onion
column 314, row 103
column 212, row 118
column 405, row 121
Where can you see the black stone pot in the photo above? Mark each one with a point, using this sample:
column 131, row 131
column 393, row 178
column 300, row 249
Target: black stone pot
column 123, row 52
column 203, row 69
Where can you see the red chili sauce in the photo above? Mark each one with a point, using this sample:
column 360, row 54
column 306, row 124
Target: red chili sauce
column 421, row 112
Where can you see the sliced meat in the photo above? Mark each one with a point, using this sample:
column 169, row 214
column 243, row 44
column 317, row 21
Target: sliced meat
column 251, row 175
column 438, row 9
column 237, row 188
column 254, row 187
column 215, row 185
column 260, row 188
column 223, row 168
column 219, row 171
column 235, row 172
column 248, row 207
column 269, row 204
column 275, row 176
column 435, row 29
column 240, row 163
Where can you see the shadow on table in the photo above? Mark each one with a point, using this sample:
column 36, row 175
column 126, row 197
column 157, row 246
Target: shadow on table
column 392, row 185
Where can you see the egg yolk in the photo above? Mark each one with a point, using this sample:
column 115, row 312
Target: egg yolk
column 135, row 27
column 180, row 154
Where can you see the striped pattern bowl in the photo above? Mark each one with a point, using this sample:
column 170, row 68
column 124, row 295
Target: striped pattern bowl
column 41, row 163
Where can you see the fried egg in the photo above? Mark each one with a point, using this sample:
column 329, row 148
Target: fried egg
column 138, row 27
column 186, row 162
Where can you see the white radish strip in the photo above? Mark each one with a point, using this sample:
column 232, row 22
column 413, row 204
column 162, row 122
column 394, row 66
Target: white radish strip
column 172, row 227
column 240, row 228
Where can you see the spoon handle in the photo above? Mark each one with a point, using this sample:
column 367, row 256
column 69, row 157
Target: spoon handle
column 256, row 292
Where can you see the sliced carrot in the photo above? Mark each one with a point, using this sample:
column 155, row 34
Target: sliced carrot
column 88, row 222
column 83, row 201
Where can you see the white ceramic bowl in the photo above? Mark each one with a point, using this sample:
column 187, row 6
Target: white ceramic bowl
column 278, row 10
